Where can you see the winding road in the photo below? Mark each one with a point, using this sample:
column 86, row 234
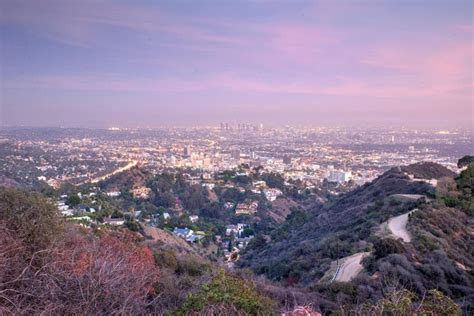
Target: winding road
column 398, row 226
column 350, row 267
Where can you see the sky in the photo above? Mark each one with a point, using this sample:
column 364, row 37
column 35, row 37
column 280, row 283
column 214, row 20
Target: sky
column 178, row 63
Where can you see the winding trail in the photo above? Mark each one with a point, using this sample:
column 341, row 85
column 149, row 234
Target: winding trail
column 350, row 267
column 398, row 226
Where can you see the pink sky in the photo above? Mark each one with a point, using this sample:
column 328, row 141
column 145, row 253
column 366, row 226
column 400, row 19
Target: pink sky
column 341, row 62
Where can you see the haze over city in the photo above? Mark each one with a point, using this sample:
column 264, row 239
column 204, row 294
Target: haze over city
column 151, row 64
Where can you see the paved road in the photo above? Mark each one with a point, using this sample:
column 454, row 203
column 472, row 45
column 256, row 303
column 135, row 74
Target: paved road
column 130, row 165
column 410, row 196
column 398, row 226
column 350, row 267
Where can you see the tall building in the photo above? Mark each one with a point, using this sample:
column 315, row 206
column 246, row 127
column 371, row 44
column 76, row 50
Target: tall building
column 339, row 176
column 187, row 151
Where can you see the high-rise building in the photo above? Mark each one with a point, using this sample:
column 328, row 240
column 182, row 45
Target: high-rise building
column 188, row 151
column 339, row 176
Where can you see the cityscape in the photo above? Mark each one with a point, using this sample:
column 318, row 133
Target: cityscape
column 302, row 165
column 311, row 155
column 237, row 158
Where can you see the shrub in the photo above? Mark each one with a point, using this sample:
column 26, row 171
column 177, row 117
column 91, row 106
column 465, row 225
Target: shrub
column 387, row 246
column 228, row 295
column 166, row 259
column 190, row 265
column 32, row 218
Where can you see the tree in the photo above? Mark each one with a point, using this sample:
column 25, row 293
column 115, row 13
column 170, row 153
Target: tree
column 465, row 183
column 32, row 218
column 439, row 304
column 73, row 200
column 165, row 199
column 274, row 180
column 465, row 161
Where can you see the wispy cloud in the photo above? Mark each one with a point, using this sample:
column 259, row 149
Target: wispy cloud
column 341, row 50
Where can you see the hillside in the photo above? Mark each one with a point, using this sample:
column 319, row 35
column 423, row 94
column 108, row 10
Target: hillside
column 49, row 266
column 306, row 248
column 134, row 177
column 8, row 183
column 427, row 170
column 335, row 258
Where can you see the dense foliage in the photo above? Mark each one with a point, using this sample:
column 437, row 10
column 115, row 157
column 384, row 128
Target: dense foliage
column 228, row 295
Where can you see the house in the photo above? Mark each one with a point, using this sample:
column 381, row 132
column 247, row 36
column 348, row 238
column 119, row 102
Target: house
column 113, row 193
column 62, row 206
column 235, row 229
column 209, row 186
column 141, row 192
column 193, row 218
column 166, row 216
column 246, row 208
column 259, row 185
column 183, row 232
column 54, row 183
column 272, row 194
column 243, row 242
column 188, row 234
column 81, row 218
column 67, row 213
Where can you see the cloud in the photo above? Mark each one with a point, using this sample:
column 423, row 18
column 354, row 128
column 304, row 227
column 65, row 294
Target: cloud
column 435, row 69
column 129, row 48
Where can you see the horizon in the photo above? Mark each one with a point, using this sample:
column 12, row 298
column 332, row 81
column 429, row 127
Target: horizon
column 161, row 64
column 234, row 127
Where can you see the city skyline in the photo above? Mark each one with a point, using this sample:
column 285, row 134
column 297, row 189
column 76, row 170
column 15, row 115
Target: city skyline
column 150, row 64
